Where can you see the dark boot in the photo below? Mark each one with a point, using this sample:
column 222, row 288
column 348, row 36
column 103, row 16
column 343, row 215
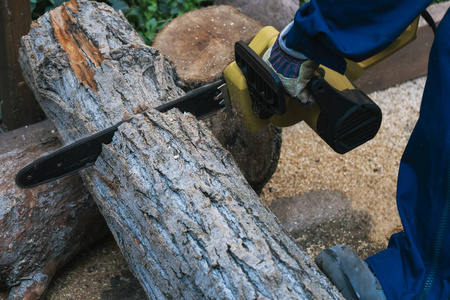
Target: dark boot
column 350, row 274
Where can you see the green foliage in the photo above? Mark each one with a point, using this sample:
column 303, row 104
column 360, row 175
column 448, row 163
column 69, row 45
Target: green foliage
column 146, row 16
column 39, row 7
column 303, row 2
column 150, row 16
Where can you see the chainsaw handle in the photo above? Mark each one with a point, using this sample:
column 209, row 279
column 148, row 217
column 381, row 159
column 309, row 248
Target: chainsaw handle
column 343, row 116
column 347, row 118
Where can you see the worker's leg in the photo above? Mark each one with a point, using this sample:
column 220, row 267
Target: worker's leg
column 416, row 264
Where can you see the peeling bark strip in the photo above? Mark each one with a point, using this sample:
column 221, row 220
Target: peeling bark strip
column 186, row 220
column 80, row 50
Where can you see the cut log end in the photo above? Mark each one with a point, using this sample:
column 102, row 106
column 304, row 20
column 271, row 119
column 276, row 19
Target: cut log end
column 201, row 42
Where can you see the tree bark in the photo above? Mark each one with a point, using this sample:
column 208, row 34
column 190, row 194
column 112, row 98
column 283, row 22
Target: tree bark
column 41, row 228
column 183, row 215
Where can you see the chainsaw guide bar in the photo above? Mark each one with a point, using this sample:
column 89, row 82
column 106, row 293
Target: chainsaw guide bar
column 83, row 153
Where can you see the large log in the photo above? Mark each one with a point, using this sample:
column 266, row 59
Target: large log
column 183, row 215
column 41, row 228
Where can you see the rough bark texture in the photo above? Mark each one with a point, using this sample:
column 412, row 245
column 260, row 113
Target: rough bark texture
column 201, row 45
column 41, row 228
column 186, row 220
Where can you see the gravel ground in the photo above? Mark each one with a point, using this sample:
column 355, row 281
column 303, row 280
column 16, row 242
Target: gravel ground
column 356, row 189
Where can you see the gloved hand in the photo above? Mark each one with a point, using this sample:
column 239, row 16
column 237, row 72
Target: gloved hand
column 294, row 69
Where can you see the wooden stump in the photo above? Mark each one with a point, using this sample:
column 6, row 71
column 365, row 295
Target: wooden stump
column 276, row 13
column 201, row 45
column 41, row 228
column 201, row 42
column 183, row 215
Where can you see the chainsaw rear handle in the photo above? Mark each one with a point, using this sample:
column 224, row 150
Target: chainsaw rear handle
column 343, row 116
column 347, row 118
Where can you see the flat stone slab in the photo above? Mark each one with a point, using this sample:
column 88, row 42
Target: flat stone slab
column 317, row 219
column 312, row 208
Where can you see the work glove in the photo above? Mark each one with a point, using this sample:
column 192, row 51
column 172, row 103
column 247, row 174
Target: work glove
column 294, row 69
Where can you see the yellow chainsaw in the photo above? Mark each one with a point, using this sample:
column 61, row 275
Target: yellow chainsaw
column 342, row 115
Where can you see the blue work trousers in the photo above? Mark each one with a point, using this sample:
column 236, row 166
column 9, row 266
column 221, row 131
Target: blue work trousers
column 416, row 264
